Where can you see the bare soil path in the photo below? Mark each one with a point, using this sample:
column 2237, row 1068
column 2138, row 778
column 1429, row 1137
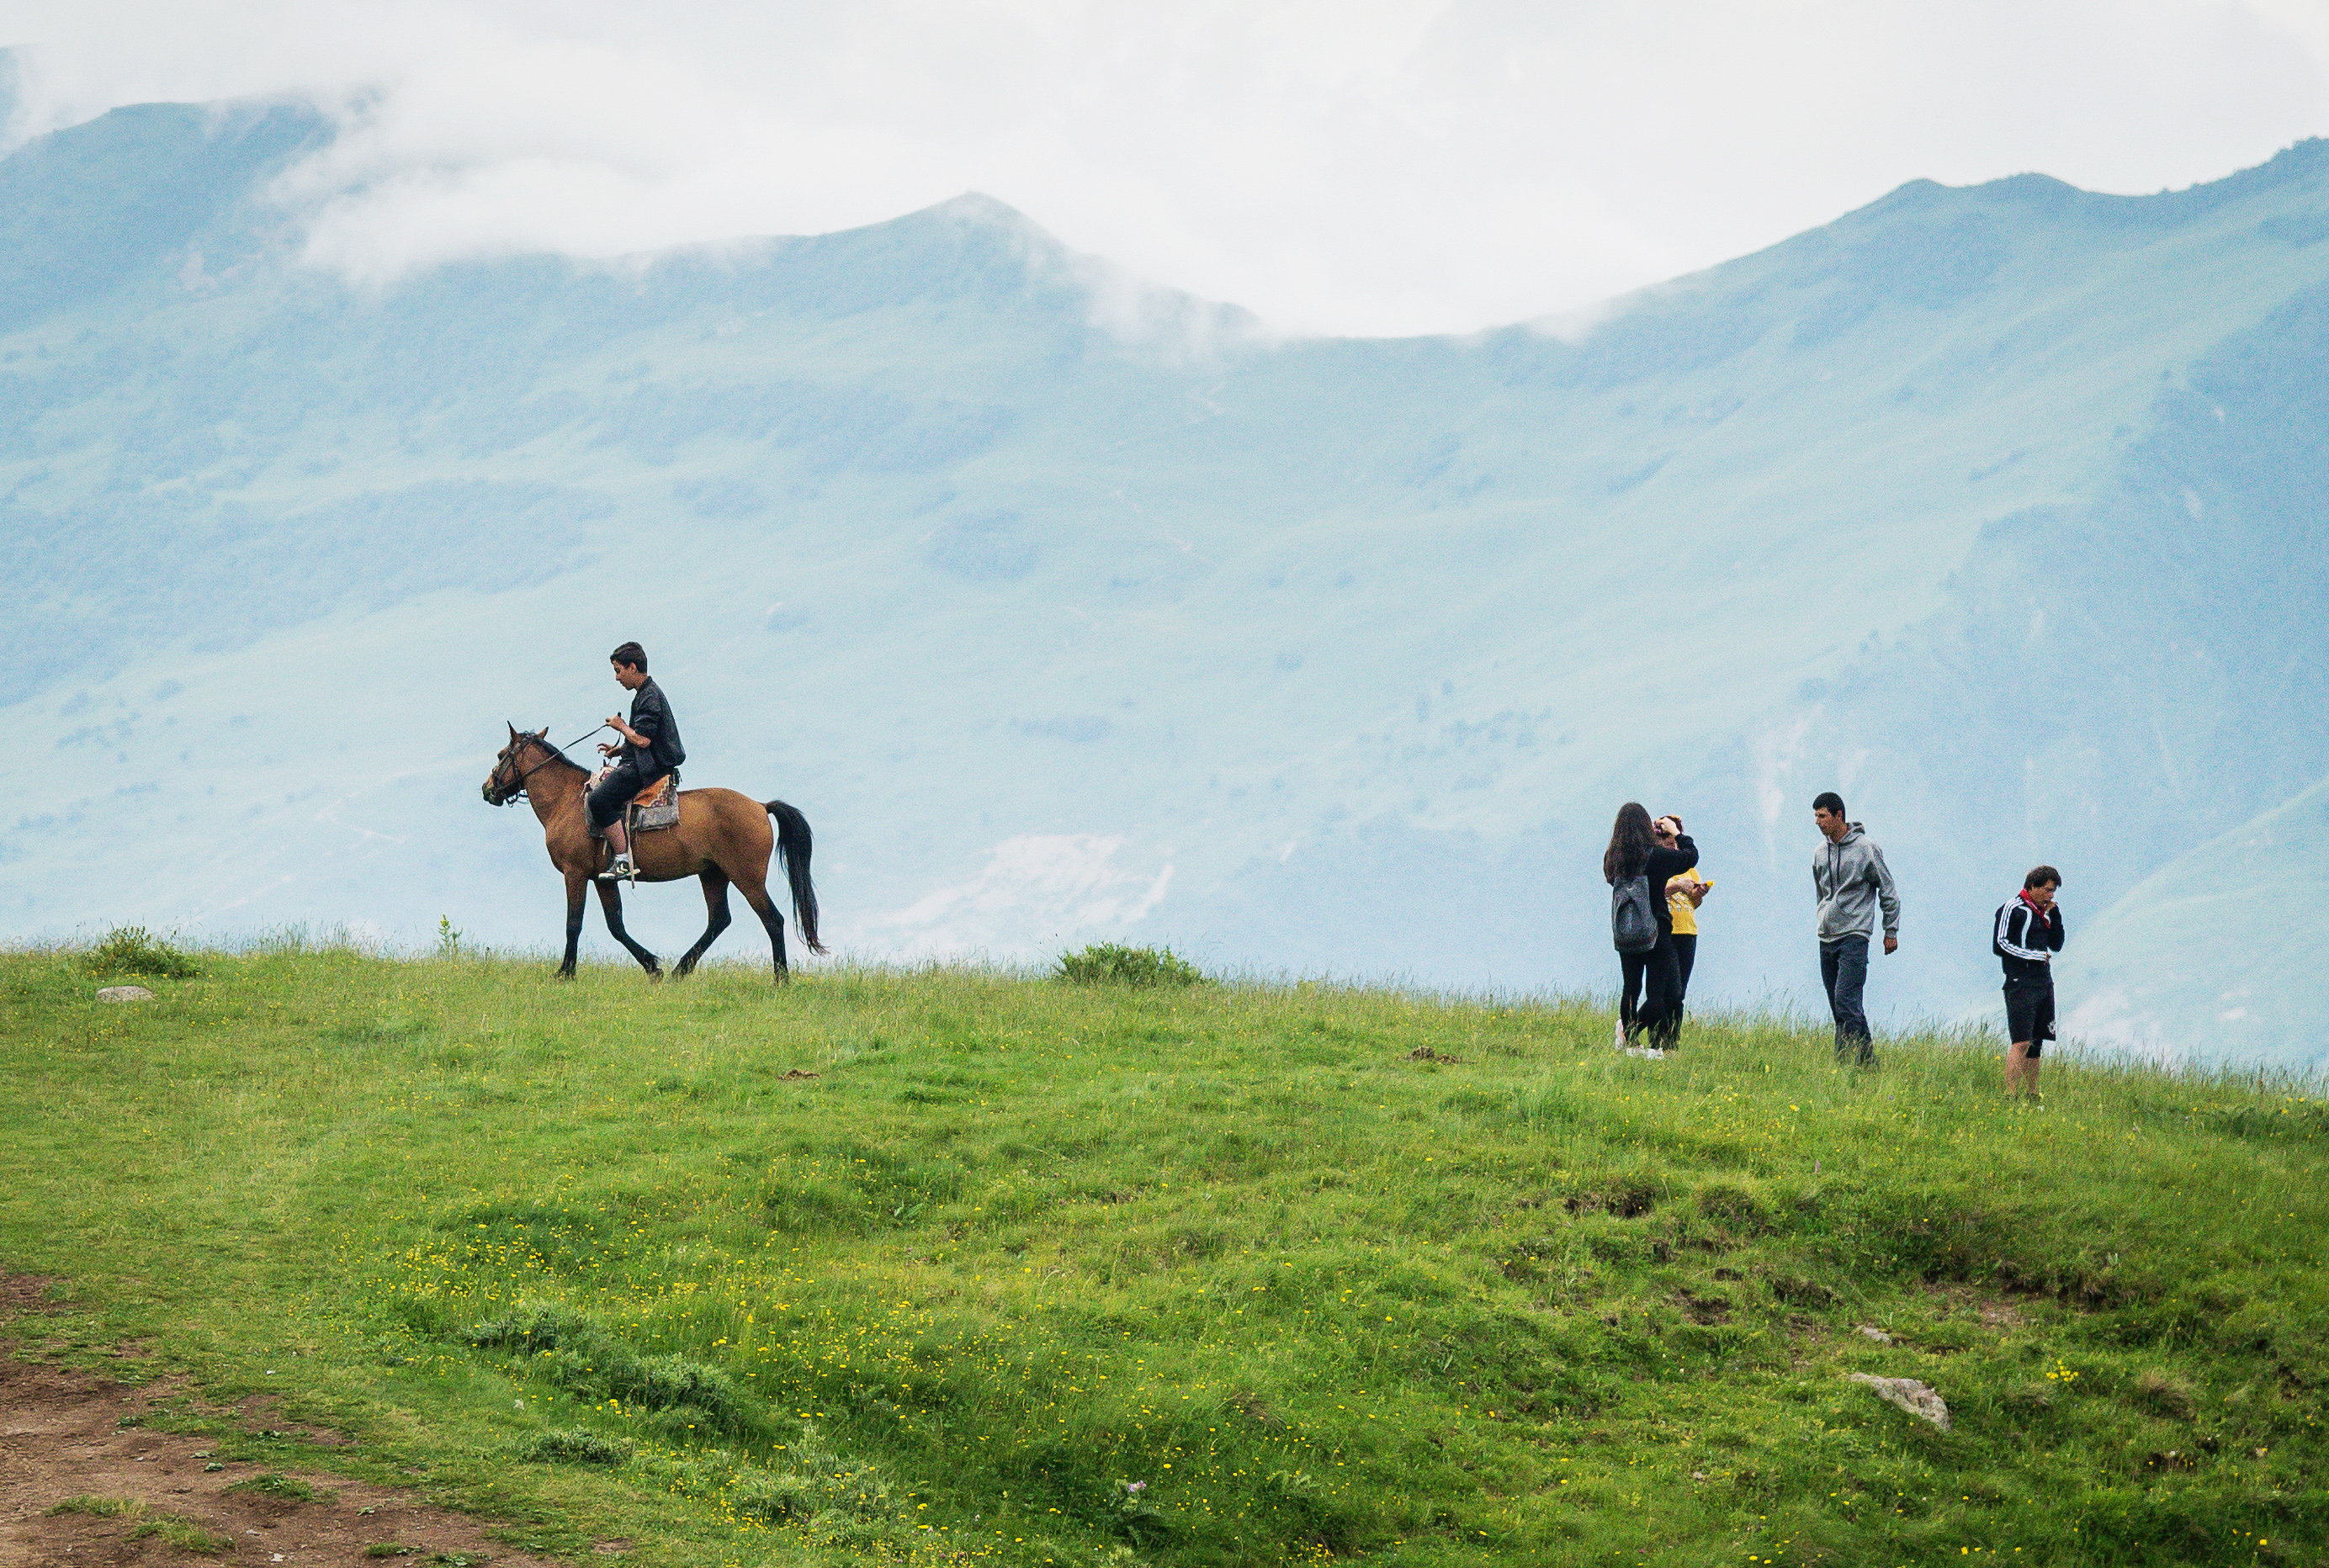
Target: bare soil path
column 62, row 1436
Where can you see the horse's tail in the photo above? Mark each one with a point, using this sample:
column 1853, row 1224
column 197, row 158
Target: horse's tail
column 793, row 844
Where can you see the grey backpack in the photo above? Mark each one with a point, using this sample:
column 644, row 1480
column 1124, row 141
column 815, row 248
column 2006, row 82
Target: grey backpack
column 1633, row 920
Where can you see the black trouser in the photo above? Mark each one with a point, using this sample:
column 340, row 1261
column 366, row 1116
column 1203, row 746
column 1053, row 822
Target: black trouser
column 610, row 794
column 1657, row 974
column 1685, row 954
column 1844, row 972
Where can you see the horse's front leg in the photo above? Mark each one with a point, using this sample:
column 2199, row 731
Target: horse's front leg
column 611, row 898
column 576, row 885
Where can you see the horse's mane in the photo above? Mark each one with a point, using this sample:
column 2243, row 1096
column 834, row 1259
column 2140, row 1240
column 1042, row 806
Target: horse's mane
column 526, row 737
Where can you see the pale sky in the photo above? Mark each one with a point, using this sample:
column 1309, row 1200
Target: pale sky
column 1360, row 166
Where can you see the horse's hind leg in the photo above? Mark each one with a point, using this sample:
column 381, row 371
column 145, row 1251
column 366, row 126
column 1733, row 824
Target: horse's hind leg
column 756, row 892
column 715, row 903
column 611, row 898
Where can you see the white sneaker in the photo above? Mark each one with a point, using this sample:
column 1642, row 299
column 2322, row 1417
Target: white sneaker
column 1651, row 1052
column 1617, row 1035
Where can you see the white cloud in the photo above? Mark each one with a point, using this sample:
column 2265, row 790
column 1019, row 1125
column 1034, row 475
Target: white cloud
column 1392, row 165
column 1047, row 887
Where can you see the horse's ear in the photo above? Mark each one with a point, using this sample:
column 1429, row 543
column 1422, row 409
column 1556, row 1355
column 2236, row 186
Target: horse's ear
column 541, row 734
column 512, row 730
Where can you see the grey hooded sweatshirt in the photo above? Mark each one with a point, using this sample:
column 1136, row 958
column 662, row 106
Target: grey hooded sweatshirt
column 1853, row 881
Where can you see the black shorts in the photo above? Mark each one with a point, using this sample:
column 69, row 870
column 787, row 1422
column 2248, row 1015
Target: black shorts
column 2029, row 1011
column 610, row 794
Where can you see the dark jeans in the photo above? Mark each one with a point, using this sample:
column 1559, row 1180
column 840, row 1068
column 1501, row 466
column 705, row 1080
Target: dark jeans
column 1657, row 977
column 1685, row 954
column 607, row 798
column 1843, row 971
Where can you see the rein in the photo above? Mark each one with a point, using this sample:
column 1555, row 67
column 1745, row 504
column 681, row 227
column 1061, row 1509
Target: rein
column 517, row 786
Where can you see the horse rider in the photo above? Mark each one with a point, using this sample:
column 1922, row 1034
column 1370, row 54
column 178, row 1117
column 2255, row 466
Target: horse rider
column 648, row 750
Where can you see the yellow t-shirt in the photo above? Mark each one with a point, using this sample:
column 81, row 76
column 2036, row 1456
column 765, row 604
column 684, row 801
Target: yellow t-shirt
column 1685, row 913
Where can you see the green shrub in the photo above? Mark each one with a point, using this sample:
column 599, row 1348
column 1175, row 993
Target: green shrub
column 134, row 950
column 1112, row 963
column 579, row 1446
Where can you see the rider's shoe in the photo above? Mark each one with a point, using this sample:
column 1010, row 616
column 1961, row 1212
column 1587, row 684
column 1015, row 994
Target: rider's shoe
column 620, row 871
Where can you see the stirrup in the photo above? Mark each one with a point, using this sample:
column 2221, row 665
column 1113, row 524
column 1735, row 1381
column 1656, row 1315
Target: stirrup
column 622, row 870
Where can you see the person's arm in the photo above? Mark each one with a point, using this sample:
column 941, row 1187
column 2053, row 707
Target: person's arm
column 1887, row 898
column 2054, row 928
column 1687, row 850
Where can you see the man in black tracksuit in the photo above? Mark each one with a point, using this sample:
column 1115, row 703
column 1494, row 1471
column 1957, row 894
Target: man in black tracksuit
column 2029, row 934
column 649, row 749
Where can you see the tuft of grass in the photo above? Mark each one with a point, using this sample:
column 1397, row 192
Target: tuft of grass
column 102, row 1507
column 271, row 1485
column 171, row 1529
column 581, row 1446
column 2164, row 1394
column 183, row 1534
column 1112, row 963
column 134, row 950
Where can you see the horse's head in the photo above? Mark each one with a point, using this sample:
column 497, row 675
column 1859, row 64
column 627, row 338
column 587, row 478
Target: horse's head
column 506, row 782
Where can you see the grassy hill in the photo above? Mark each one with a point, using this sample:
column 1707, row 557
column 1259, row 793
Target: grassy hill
column 952, row 1265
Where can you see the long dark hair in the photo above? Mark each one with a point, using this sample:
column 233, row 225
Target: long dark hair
column 1630, row 842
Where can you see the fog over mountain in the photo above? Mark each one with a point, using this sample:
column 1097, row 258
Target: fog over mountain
column 1066, row 606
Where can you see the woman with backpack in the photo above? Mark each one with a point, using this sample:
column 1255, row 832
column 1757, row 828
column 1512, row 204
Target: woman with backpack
column 1638, row 867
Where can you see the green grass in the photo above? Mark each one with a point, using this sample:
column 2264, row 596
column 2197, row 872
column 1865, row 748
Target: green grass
column 1039, row 1273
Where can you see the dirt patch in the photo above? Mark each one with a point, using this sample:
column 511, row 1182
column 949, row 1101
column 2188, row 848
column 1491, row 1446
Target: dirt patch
column 1703, row 1308
column 27, row 1293
column 797, row 1073
column 61, row 1437
column 1991, row 1312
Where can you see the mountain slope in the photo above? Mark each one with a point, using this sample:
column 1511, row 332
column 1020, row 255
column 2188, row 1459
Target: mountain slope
column 1066, row 606
column 2242, row 918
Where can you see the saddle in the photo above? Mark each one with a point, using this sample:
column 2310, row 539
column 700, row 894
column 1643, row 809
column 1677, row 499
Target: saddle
column 655, row 806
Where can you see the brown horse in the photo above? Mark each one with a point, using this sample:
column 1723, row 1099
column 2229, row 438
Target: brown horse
column 720, row 837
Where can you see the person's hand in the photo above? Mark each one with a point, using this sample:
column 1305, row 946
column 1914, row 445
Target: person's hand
column 1698, row 892
column 1891, row 944
column 605, row 748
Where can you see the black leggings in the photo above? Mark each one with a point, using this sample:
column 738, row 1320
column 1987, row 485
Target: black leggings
column 1657, row 976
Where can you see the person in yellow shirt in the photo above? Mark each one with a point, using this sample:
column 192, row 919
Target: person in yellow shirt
column 1684, row 893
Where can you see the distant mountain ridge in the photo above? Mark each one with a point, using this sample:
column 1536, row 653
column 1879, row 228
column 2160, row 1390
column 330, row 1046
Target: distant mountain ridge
column 1066, row 605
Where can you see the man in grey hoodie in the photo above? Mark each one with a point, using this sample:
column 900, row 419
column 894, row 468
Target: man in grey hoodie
column 1849, row 874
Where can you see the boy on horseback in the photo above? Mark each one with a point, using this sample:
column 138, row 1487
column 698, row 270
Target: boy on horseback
column 649, row 749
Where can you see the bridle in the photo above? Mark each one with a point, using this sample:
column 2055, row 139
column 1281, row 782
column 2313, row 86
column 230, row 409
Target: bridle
column 557, row 753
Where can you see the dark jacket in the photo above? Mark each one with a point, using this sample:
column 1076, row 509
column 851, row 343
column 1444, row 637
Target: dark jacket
column 2026, row 940
column 651, row 717
column 1664, row 865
